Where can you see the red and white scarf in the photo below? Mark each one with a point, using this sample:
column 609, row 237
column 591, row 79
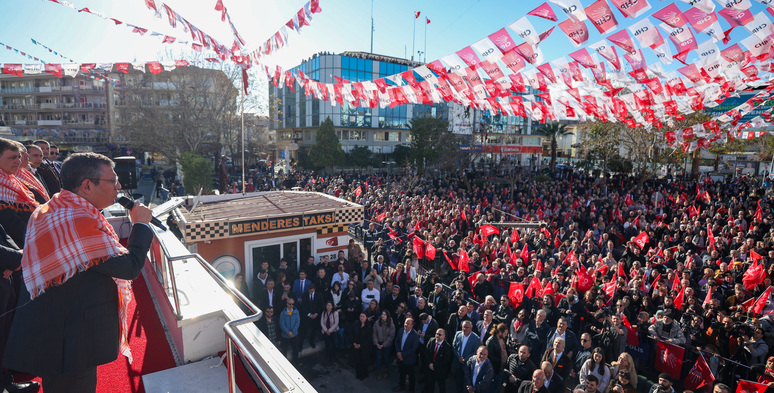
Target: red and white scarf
column 29, row 180
column 14, row 195
column 50, row 257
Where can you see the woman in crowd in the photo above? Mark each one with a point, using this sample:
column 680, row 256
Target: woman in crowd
column 330, row 328
column 372, row 312
column 362, row 341
column 383, row 336
column 625, row 363
column 596, row 366
column 337, row 295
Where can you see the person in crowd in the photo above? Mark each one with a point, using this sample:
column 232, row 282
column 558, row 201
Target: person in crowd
column 406, row 345
column 519, row 367
column 383, row 337
column 558, row 359
column 362, row 341
column 464, row 345
column 664, row 384
column 329, row 321
column 290, row 323
column 535, row 385
column 553, row 381
column 439, row 360
column 71, row 323
column 623, row 384
column 269, row 325
column 597, row 367
column 478, row 372
column 625, row 363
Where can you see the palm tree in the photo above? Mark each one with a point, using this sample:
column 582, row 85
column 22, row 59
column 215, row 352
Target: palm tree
column 553, row 130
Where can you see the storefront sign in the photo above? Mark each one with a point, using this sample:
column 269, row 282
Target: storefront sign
column 280, row 223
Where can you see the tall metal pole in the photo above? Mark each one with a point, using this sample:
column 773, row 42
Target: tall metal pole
column 425, row 53
column 414, row 38
column 372, row 26
column 243, row 140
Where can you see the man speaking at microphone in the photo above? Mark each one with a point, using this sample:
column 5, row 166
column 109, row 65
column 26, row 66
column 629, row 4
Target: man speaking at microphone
column 71, row 315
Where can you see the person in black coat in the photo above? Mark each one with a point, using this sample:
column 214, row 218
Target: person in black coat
column 439, row 360
column 270, row 296
column 538, row 379
column 362, row 343
column 269, row 325
column 312, row 305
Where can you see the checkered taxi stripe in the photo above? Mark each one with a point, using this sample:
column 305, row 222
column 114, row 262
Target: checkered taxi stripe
column 198, row 231
column 349, row 216
column 332, row 229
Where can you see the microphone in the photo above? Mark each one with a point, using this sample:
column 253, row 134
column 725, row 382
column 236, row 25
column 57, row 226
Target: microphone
column 129, row 204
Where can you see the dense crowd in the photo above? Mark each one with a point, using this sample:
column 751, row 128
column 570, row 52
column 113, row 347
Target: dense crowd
column 449, row 285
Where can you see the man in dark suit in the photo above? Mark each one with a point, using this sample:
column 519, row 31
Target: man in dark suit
column 553, row 382
column 557, row 356
column 406, row 344
column 270, row 296
column 478, row 372
column 439, row 360
column 312, row 306
column 454, row 324
column 10, row 260
column 571, row 343
column 301, row 285
column 439, row 303
column 64, row 333
column 391, row 301
column 46, row 170
column 464, row 345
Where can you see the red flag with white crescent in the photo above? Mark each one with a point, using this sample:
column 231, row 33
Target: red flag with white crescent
column 430, row 251
column 516, row 294
column 464, row 259
column 419, row 247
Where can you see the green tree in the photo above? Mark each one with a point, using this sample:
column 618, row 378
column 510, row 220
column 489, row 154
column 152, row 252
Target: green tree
column 326, row 151
column 553, row 130
column 401, row 154
column 360, row 156
column 197, row 173
column 432, row 142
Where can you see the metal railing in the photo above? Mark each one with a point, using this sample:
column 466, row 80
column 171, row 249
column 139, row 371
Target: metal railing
column 162, row 260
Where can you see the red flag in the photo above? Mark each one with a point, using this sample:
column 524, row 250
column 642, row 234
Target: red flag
column 759, row 212
column 416, row 15
column 754, row 255
column 381, row 217
column 427, row 21
column 544, row 11
column 571, row 258
column 679, row 299
column 747, row 304
column 430, row 251
column 609, row 289
column 641, row 239
column 525, row 255
column 487, row 230
column 676, row 282
column 464, row 259
column 669, row 358
column 473, row 278
column 750, row 387
column 462, row 214
column 628, row 200
column 700, row 375
column 621, row 270
column 515, row 237
column 155, row 67
column 478, row 241
column 632, row 335
column 760, row 304
column 584, row 280
column 708, row 298
column 557, row 242
column 359, row 191
column 539, row 266
column 710, row 236
column 534, row 289
column 419, row 247
column 516, row 294
column 753, row 276
column 453, row 266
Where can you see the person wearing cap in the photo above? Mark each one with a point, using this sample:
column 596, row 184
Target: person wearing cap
column 664, row 384
column 667, row 330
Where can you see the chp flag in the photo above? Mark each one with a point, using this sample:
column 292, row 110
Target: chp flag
column 750, row 387
column 700, row 375
column 669, row 358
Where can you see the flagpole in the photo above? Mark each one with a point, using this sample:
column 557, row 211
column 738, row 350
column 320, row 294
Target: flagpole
column 372, row 26
column 413, row 38
column 425, row 53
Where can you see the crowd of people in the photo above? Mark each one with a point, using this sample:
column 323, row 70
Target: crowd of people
column 451, row 284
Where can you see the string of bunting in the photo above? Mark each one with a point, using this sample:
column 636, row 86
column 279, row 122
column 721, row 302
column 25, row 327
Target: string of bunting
column 591, row 85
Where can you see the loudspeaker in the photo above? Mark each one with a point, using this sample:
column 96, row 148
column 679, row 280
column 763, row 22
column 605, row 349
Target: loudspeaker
column 126, row 169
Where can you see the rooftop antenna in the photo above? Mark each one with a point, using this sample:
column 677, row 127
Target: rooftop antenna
column 372, row 26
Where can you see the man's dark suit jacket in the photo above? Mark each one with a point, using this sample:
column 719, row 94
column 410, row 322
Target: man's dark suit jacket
column 484, row 377
column 441, row 360
column 557, row 384
column 263, row 300
column 316, row 306
column 562, row 367
column 408, row 351
column 74, row 326
column 526, row 387
column 50, row 178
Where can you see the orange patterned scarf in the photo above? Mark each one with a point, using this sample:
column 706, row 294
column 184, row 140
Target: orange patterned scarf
column 13, row 194
column 32, row 182
column 50, row 257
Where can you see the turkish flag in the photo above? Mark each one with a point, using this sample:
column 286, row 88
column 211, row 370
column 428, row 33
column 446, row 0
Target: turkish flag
column 760, row 304
column 419, row 247
column 430, row 252
column 464, row 258
column 750, row 387
column 753, row 276
column 516, row 294
column 669, row 358
column 758, row 212
column 473, row 278
column 710, row 235
column 557, row 242
column 13, row 69
column 515, row 236
column 571, row 258
column 525, row 254
column 628, row 200
column 679, row 299
column 700, row 375
column 708, row 298
column 487, row 230
column 641, row 239
column 478, row 241
column 416, row 15
column 381, row 217
column 755, row 256
column 621, row 270
column 359, row 191
column 534, row 288
column 584, row 281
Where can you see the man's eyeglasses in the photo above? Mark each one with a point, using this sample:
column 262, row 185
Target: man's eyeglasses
column 290, row 304
column 114, row 181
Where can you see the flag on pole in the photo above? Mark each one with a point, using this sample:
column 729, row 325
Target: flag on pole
column 419, row 247
column 516, row 294
column 760, row 304
column 745, row 386
column 416, row 15
column 427, row 21
column 700, row 375
column 669, row 358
